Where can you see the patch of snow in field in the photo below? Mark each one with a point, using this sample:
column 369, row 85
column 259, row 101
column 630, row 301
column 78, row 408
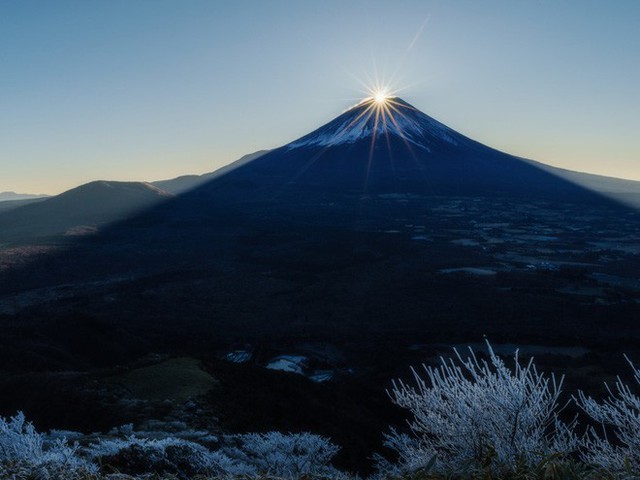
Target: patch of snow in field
column 288, row 363
column 320, row 376
column 239, row 356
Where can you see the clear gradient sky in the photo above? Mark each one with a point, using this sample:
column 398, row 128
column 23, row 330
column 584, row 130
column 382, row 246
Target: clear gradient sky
column 151, row 89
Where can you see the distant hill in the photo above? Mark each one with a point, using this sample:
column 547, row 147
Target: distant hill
column 12, row 196
column 80, row 209
column 185, row 183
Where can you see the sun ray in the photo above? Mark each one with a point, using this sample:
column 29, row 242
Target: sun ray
column 368, row 111
column 365, row 84
column 386, row 132
column 388, row 140
column 399, row 129
column 373, row 144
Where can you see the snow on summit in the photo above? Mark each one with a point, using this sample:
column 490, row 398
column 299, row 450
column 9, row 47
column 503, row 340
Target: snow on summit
column 379, row 119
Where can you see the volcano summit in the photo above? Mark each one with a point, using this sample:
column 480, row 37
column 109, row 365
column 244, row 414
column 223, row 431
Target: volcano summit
column 379, row 119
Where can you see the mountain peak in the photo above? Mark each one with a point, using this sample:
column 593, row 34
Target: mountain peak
column 378, row 119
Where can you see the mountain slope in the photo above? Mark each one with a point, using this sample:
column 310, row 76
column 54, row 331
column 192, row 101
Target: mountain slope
column 626, row 192
column 185, row 183
column 7, row 205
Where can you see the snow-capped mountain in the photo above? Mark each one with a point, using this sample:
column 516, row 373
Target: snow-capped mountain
column 390, row 146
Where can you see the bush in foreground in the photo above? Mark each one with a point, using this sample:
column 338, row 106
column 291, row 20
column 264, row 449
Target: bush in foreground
column 275, row 454
column 169, row 456
column 25, row 453
column 615, row 446
column 270, row 454
column 480, row 415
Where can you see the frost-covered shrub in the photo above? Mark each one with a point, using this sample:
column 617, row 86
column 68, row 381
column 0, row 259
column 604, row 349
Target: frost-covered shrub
column 19, row 440
column 24, row 450
column 477, row 414
column 274, row 454
column 175, row 456
column 619, row 414
column 25, row 453
column 285, row 455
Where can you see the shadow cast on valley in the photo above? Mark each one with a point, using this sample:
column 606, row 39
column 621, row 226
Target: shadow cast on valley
column 300, row 242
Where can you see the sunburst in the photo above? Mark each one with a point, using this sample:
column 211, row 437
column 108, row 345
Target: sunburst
column 381, row 96
column 382, row 104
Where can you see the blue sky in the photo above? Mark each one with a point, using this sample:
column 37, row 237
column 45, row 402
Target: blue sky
column 151, row 89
